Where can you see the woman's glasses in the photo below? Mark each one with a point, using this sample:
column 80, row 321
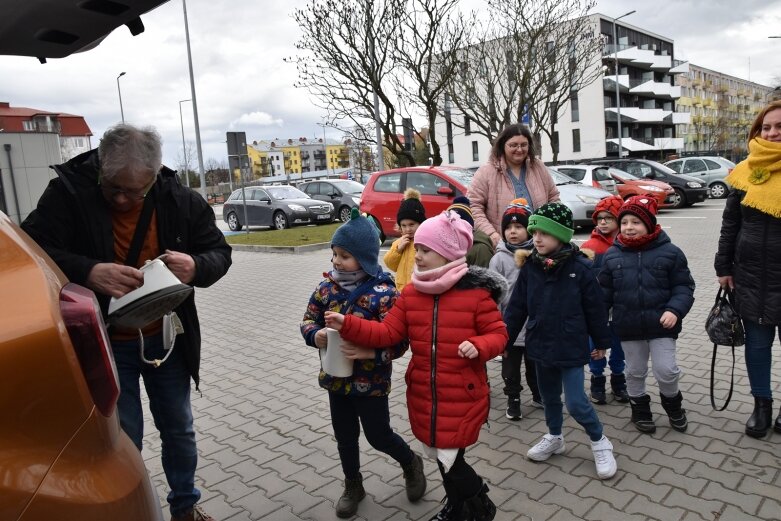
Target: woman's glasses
column 516, row 146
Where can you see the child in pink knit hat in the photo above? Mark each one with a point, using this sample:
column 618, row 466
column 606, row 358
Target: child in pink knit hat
column 449, row 314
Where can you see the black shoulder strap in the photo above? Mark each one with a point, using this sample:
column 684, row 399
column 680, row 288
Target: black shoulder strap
column 142, row 227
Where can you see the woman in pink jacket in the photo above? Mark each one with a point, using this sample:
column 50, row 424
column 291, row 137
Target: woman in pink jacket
column 513, row 170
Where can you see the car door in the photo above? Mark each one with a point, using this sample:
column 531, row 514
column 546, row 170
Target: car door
column 695, row 168
column 383, row 203
column 601, row 178
column 716, row 171
column 313, row 191
column 262, row 208
column 429, row 185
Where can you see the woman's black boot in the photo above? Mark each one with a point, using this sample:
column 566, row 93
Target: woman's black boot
column 760, row 420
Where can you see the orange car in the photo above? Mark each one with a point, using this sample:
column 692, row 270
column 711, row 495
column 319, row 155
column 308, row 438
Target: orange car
column 62, row 453
column 629, row 185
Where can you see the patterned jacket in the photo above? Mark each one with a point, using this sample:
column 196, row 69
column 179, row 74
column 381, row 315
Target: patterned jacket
column 370, row 377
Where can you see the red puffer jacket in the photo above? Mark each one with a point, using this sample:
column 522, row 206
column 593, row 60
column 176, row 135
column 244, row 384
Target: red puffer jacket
column 447, row 396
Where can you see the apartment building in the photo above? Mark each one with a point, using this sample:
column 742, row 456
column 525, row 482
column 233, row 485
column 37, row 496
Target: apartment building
column 73, row 132
column 636, row 78
column 722, row 109
column 295, row 156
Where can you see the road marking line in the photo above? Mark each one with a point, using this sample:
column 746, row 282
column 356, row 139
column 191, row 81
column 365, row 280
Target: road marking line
column 681, row 217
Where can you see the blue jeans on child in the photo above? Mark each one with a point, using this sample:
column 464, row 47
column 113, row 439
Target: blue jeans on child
column 615, row 358
column 550, row 381
column 759, row 356
column 374, row 417
column 168, row 389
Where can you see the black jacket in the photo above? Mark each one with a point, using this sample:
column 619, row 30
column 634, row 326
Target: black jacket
column 564, row 307
column 72, row 223
column 750, row 251
column 640, row 285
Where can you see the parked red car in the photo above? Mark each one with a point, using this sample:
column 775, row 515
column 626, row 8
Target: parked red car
column 438, row 186
column 629, row 185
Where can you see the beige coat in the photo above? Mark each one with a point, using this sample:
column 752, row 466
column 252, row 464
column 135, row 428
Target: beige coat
column 491, row 191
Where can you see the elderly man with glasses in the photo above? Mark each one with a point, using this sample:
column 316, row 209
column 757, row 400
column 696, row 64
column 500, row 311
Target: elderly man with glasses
column 109, row 211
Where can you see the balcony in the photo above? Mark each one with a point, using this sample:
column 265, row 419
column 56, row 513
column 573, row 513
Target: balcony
column 657, row 89
column 639, row 115
column 641, row 58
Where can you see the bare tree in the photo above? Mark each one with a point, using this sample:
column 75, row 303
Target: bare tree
column 353, row 49
column 185, row 160
column 527, row 61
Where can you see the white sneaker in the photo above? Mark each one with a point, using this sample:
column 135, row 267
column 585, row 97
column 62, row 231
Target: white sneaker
column 603, row 458
column 548, row 445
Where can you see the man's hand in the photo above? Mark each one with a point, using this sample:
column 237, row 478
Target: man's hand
column 355, row 352
column 181, row 264
column 403, row 243
column 727, row 282
column 467, row 350
column 597, row 354
column 115, row 280
column 668, row 320
column 334, row 320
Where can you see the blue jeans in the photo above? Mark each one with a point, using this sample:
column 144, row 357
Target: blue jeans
column 550, row 381
column 615, row 357
column 759, row 349
column 168, row 389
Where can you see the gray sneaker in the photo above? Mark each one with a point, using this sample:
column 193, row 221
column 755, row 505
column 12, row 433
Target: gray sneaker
column 548, row 446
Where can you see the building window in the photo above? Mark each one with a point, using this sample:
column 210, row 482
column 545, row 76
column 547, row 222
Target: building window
column 467, row 126
column 576, row 140
column 574, row 106
column 28, row 126
column 450, row 154
column 475, row 152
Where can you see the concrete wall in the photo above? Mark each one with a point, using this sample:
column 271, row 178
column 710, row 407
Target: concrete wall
column 31, row 155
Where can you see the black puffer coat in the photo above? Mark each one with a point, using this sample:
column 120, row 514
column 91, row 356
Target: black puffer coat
column 750, row 251
column 72, row 224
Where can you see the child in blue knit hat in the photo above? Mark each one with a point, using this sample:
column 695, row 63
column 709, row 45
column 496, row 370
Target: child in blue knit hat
column 356, row 285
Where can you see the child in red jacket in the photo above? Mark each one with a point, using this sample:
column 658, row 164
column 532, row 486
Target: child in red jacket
column 449, row 314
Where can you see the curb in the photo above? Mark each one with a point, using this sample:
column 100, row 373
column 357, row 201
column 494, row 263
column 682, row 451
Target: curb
column 259, row 248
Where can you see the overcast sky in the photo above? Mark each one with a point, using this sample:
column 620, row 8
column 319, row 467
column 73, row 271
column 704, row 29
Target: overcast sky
column 242, row 83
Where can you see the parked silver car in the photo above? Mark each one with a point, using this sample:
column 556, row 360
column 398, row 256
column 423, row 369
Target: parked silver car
column 342, row 193
column 277, row 206
column 710, row 170
column 597, row 176
column 581, row 199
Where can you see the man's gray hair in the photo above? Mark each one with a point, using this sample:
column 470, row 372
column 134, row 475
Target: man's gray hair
column 125, row 147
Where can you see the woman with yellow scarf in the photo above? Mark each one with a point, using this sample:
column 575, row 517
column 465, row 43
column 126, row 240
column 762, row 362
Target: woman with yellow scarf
column 749, row 257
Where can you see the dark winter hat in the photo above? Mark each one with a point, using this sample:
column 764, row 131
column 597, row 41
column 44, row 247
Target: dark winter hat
column 360, row 238
column 554, row 219
column 611, row 205
column 518, row 211
column 411, row 207
column 643, row 207
column 461, row 207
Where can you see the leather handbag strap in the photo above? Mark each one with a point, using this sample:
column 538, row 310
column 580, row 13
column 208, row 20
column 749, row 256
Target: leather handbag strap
column 142, row 226
column 712, row 376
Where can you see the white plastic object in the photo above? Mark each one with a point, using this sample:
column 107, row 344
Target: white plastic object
column 333, row 360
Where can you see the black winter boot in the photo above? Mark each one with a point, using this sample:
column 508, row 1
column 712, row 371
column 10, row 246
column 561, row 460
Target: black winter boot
column 414, row 478
column 479, row 507
column 598, row 389
column 618, row 385
column 454, row 505
column 353, row 494
column 675, row 413
column 759, row 422
column 641, row 413
column 777, row 425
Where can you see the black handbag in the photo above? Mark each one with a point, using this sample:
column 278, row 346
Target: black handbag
column 724, row 328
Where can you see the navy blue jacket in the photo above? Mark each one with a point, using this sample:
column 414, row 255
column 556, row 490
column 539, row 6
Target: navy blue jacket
column 564, row 307
column 640, row 285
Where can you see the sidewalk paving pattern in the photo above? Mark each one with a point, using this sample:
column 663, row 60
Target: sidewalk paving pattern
column 267, row 449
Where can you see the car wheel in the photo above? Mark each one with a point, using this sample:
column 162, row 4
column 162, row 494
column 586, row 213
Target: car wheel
column 718, row 190
column 233, row 222
column 280, row 221
column 678, row 199
column 344, row 214
column 379, row 228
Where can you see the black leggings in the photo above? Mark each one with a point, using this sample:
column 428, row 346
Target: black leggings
column 374, row 416
column 461, row 481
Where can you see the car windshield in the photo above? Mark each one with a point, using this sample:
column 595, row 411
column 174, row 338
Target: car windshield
column 561, row 179
column 459, row 174
column 349, row 187
column 623, row 176
column 285, row 192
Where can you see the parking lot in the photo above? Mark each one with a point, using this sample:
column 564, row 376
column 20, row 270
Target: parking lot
column 267, row 450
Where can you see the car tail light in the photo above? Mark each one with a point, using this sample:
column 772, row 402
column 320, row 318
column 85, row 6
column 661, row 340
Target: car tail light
column 81, row 314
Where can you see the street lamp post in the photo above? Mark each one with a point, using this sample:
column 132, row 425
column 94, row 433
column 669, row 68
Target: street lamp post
column 121, row 110
column 618, row 91
column 195, row 104
column 325, row 149
column 184, row 148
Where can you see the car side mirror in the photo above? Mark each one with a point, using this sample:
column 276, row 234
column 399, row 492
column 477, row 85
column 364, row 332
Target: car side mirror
column 265, row 200
column 445, row 190
column 335, row 196
column 649, row 175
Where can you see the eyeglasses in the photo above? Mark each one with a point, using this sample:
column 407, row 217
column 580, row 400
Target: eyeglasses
column 516, row 146
column 112, row 191
column 606, row 219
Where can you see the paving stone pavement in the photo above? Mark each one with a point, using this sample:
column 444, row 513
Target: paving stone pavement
column 267, row 449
